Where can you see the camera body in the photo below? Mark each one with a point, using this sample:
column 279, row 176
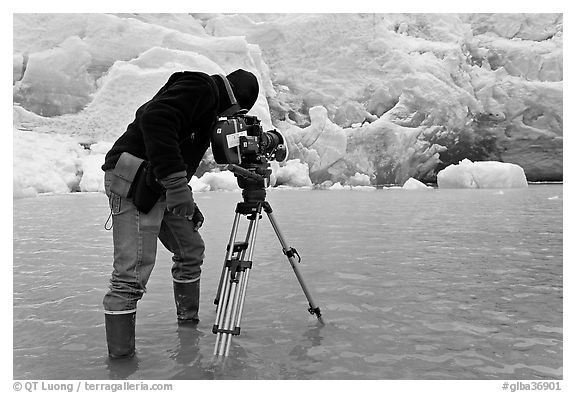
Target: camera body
column 239, row 139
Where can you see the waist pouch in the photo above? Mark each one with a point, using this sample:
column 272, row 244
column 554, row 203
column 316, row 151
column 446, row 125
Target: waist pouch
column 133, row 179
column 147, row 190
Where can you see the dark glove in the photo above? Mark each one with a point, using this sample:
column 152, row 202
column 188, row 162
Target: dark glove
column 179, row 199
column 197, row 219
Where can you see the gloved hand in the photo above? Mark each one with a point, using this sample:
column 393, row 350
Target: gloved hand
column 179, row 199
column 197, row 219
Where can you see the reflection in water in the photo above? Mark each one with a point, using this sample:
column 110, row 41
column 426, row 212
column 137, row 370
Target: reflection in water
column 456, row 284
column 300, row 354
column 122, row 368
column 312, row 338
column 188, row 354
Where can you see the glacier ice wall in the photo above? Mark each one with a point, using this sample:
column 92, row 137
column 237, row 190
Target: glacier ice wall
column 476, row 86
column 385, row 97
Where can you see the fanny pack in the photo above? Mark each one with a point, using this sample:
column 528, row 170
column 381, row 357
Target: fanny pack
column 133, row 179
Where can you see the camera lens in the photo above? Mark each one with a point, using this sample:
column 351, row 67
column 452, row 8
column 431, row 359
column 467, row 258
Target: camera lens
column 273, row 143
column 270, row 141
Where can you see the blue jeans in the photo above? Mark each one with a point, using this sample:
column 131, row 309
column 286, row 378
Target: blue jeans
column 135, row 237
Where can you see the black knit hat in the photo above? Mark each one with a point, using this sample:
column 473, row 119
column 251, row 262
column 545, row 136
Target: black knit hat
column 245, row 87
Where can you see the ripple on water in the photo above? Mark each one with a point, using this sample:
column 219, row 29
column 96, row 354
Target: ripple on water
column 350, row 276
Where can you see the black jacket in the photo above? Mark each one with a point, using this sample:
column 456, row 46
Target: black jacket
column 172, row 130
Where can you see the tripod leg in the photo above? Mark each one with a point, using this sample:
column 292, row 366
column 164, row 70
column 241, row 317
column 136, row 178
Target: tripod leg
column 243, row 282
column 290, row 252
column 233, row 289
column 222, row 304
column 226, row 272
column 229, row 251
column 222, row 293
column 231, row 304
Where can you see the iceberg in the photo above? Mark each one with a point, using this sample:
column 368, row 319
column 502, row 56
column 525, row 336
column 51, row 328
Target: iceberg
column 294, row 174
column 485, row 174
column 217, row 181
column 413, row 184
column 359, row 179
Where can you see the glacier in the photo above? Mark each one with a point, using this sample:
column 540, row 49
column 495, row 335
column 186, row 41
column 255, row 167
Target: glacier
column 363, row 99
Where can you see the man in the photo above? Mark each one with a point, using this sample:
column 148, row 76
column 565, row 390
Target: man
column 147, row 171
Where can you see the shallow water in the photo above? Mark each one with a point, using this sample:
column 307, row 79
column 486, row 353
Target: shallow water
column 436, row 284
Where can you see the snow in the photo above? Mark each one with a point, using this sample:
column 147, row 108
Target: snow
column 363, row 99
column 486, row 174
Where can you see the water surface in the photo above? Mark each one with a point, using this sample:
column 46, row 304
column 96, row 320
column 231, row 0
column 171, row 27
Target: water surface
column 436, row 284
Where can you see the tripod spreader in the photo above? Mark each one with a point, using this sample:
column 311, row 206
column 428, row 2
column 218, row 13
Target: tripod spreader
column 291, row 252
column 236, row 270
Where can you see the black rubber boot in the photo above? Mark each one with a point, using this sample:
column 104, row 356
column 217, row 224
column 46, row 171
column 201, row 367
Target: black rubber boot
column 187, row 298
column 120, row 335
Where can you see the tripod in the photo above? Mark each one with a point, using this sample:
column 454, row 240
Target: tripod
column 231, row 291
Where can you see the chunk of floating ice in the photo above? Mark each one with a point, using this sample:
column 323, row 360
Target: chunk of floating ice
column 482, row 174
column 413, row 184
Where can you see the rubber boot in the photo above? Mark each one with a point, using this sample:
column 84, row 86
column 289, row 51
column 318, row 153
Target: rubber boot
column 187, row 298
column 120, row 335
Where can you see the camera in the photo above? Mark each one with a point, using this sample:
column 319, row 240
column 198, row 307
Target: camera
column 240, row 140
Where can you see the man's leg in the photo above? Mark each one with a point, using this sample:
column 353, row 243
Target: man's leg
column 135, row 238
column 178, row 237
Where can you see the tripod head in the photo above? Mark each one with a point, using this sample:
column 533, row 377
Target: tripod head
column 252, row 179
